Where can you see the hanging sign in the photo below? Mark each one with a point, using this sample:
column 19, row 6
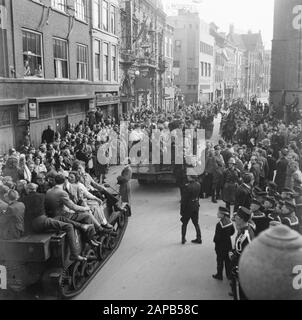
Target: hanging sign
column 33, row 109
column 22, row 112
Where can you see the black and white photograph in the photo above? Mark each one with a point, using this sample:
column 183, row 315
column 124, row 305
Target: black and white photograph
column 150, row 150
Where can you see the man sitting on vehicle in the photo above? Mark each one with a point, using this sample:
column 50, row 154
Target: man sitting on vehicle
column 58, row 203
column 3, row 205
column 94, row 187
column 37, row 221
column 12, row 221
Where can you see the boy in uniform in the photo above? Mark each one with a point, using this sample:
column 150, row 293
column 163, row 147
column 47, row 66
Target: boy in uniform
column 223, row 243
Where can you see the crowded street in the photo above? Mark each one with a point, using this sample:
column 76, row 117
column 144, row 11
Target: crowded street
column 150, row 150
column 151, row 264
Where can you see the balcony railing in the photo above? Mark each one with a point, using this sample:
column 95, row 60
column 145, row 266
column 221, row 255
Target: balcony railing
column 147, row 62
column 128, row 58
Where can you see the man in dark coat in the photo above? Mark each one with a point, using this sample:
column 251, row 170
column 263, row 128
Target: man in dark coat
column 258, row 217
column 223, row 243
column 244, row 238
column 243, row 196
column 48, row 135
column 189, row 209
column 12, row 221
column 281, row 168
column 255, row 170
column 289, row 217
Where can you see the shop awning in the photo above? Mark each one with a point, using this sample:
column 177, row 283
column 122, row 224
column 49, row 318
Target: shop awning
column 64, row 98
column 9, row 102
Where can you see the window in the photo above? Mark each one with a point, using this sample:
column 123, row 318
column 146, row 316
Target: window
column 97, row 14
column 206, row 70
column 177, row 44
column 166, row 47
column 106, row 61
column 45, row 111
column 202, row 69
column 105, row 15
column 5, row 118
column 60, row 53
column 82, row 62
column 113, row 63
column 206, row 48
column 176, row 64
column 97, row 60
column 112, row 19
column 32, row 54
column 210, row 70
column 80, row 7
column 59, row 5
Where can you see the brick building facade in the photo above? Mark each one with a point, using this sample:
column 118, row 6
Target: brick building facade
column 49, row 68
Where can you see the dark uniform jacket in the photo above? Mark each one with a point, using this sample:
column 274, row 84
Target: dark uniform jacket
column 12, row 222
column 243, row 197
column 190, row 199
column 261, row 221
column 281, row 168
column 291, row 221
column 244, row 238
column 298, row 201
column 34, row 208
column 48, row 136
column 222, row 239
column 230, row 180
column 272, row 216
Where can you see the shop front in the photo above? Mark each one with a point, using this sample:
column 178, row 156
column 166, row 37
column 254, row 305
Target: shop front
column 13, row 124
column 58, row 113
column 108, row 102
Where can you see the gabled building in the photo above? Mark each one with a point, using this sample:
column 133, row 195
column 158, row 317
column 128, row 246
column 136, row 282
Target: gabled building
column 220, row 61
column 142, row 54
column 59, row 63
column 250, row 62
column 194, row 57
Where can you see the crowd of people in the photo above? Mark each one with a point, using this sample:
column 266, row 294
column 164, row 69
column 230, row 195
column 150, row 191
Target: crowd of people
column 60, row 185
column 256, row 170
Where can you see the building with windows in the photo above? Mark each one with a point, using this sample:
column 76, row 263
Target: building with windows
column 59, row 63
column 250, row 55
column 142, row 29
column 266, row 85
column 105, row 61
column 193, row 57
column 167, row 64
column 220, row 61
